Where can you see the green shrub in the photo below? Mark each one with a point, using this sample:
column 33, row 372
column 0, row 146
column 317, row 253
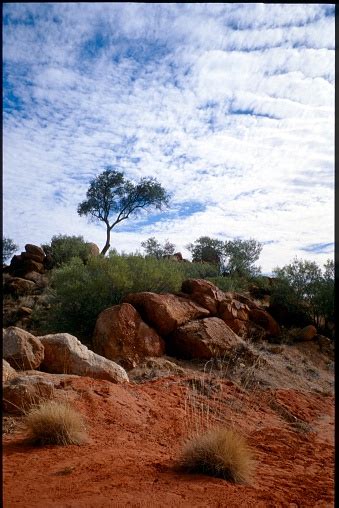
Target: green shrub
column 63, row 248
column 8, row 248
column 79, row 292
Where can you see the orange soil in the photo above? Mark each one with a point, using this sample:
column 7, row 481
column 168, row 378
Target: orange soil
column 135, row 436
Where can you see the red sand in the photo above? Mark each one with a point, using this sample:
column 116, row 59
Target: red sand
column 135, row 435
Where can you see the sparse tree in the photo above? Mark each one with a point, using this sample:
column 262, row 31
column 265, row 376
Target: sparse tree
column 112, row 199
column 154, row 248
column 241, row 256
column 8, row 248
column 208, row 250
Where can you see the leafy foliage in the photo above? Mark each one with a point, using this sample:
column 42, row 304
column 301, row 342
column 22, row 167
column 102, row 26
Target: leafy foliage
column 206, row 249
column 153, row 248
column 112, row 199
column 8, row 248
column 241, row 256
column 63, row 248
column 233, row 257
column 80, row 292
column 302, row 285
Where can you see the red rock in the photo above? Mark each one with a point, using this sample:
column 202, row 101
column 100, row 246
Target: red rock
column 264, row 319
column 165, row 311
column 204, row 339
column 93, row 249
column 35, row 250
column 21, row 349
column 19, row 286
column 307, row 333
column 230, row 309
column 204, row 293
column 33, row 257
column 122, row 336
column 23, row 392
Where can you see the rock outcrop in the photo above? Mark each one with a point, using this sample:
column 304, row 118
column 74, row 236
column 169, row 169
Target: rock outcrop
column 23, row 392
column 307, row 333
column 204, row 339
column 32, row 260
column 21, row 349
column 122, row 336
column 8, row 372
column 204, row 293
column 65, row 354
column 165, row 311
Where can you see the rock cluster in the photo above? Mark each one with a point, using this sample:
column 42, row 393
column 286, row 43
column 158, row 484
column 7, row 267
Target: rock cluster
column 199, row 322
column 32, row 260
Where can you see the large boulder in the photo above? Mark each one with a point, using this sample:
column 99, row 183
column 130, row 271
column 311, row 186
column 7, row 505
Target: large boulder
column 23, row 392
column 122, row 336
column 93, row 249
column 266, row 321
column 36, row 251
column 203, row 339
column 65, row 354
column 8, row 372
column 165, row 311
column 204, row 293
column 21, row 349
column 18, row 286
column 307, row 333
column 40, row 280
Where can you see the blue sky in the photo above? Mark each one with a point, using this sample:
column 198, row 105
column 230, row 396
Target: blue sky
column 229, row 106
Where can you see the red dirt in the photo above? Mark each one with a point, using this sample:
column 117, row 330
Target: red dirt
column 135, row 435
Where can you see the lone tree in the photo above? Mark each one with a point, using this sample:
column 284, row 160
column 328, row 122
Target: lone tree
column 112, row 199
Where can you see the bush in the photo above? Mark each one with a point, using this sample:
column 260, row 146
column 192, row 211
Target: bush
column 219, row 452
column 8, row 248
column 63, row 248
column 55, row 423
column 80, row 292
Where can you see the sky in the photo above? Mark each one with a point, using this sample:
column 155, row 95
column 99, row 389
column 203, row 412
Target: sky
column 229, row 106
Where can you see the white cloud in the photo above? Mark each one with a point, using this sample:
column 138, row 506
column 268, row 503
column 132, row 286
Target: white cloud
column 177, row 92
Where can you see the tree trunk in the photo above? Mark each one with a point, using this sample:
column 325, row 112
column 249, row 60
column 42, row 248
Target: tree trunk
column 107, row 244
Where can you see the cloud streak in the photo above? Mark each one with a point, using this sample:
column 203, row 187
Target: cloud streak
column 230, row 106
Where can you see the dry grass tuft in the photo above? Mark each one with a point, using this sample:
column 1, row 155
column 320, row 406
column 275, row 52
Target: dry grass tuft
column 219, row 452
column 55, row 423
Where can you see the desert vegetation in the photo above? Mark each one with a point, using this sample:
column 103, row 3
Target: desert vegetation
column 220, row 452
column 54, row 422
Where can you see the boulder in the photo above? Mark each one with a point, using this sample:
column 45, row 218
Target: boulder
column 203, row 339
column 93, row 249
column 266, row 321
column 21, row 349
column 23, row 392
column 153, row 368
column 65, row 354
column 230, row 309
column 35, row 251
column 18, row 286
column 29, row 256
column 204, row 293
column 165, row 311
column 40, row 280
column 8, row 372
column 307, row 333
column 122, row 336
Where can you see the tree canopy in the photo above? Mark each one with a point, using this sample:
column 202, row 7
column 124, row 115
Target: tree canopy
column 232, row 257
column 8, row 248
column 111, row 199
column 154, row 248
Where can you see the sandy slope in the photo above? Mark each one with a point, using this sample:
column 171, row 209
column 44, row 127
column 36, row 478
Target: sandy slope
column 136, row 432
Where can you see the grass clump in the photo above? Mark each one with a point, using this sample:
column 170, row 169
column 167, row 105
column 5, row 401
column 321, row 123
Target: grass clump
column 55, row 423
column 219, row 452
